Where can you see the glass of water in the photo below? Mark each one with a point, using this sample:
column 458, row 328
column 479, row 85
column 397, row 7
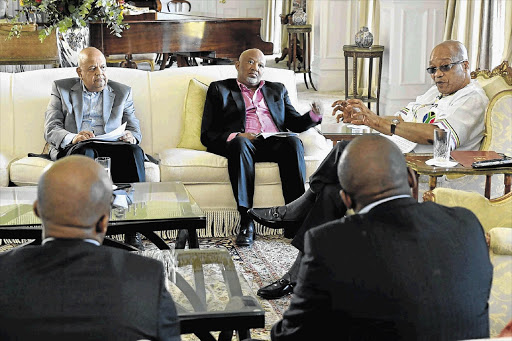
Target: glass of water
column 105, row 162
column 441, row 145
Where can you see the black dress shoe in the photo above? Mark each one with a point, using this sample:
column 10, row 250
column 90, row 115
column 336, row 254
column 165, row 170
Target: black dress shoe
column 247, row 233
column 273, row 217
column 181, row 240
column 278, row 289
column 134, row 239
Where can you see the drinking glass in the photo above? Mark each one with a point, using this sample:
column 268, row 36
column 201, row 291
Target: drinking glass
column 441, row 145
column 104, row 161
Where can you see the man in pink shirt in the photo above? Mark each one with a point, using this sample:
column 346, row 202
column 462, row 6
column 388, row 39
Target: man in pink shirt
column 235, row 112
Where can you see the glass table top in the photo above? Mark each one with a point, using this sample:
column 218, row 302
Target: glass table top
column 346, row 129
column 148, row 201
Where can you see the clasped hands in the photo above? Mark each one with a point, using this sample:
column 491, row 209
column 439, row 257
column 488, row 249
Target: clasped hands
column 86, row 135
column 355, row 112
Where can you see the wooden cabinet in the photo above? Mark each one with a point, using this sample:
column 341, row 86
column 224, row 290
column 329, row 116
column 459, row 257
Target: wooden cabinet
column 27, row 49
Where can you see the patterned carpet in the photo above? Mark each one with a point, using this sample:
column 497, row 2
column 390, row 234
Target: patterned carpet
column 266, row 261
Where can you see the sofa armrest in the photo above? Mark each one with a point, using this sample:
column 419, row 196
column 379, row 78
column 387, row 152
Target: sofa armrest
column 5, row 160
column 501, row 240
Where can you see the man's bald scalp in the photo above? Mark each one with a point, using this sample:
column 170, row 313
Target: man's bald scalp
column 372, row 167
column 75, row 191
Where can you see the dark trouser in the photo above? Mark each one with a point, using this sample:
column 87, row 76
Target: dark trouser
column 287, row 152
column 328, row 205
column 127, row 160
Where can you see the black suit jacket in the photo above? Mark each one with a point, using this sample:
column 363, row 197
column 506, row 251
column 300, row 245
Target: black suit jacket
column 74, row 290
column 224, row 112
column 403, row 271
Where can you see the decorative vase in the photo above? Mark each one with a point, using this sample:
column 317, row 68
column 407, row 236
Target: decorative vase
column 299, row 17
column 364, row 38
column 70, row 43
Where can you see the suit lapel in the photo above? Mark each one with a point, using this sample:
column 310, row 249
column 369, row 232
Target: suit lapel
column 108, row 102
column 77, row 102
column 236, row 93
column 269, row 99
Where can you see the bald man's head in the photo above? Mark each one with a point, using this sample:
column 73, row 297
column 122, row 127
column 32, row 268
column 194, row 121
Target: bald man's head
column 92, row 67
column 372, row 168
column 250, row 67
column 73, row 195
column 453, row 54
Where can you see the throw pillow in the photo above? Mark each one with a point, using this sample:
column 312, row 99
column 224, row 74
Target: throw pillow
column 194, row 105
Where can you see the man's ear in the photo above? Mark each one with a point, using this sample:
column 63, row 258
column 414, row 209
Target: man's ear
column 347, row 200
column 102, row 225
column 79, row 72
column 237, row 65
column 411, row 178
column 34, row 208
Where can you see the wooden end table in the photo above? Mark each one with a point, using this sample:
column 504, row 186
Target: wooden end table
column 417, row 163
column 374, row 51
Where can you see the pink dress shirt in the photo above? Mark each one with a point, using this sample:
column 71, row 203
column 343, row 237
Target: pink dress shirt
column 257, row 116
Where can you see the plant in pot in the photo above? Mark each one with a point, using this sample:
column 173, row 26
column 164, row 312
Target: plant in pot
column 70, row 19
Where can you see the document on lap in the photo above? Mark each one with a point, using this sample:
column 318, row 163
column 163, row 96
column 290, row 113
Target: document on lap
column 114, row 135
column 404, row 145
column 277, row 134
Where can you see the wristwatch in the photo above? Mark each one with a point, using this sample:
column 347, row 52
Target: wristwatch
column 394, row 123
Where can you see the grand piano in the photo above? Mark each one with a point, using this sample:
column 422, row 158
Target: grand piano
column 168, row 33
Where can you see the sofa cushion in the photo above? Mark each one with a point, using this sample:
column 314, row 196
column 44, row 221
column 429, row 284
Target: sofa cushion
column 200, row 167
column 26, row 171
column 193, row 116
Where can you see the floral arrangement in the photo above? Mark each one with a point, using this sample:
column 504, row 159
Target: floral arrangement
column 66, row 14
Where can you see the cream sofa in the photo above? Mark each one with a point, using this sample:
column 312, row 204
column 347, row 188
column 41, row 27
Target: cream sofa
column 159, row 99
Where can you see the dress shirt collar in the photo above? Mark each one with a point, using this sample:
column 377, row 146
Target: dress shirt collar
column 243, row 87
column 368, row 207
column 89, row 93
column 87, row 240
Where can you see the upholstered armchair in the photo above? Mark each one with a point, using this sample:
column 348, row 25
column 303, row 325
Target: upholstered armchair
column 497, row 85
column 495, row 215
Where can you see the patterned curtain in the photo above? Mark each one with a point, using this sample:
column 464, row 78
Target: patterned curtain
column 484, row 27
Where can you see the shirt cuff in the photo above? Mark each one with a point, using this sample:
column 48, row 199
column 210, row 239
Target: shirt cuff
column 67, row 140
column 315, row 117
column 231, row 136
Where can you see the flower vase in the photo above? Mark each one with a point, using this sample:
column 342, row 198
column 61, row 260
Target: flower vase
column 70, row 43
column 364, row 38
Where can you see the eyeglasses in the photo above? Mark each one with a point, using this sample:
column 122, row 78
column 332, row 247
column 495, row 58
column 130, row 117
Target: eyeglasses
column 444, row 68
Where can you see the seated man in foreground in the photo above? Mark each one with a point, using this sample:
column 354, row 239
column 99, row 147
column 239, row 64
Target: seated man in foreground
column 235, row 112
column 395, row 270
column 71, row 287
column 91, row 105
column 455, row 103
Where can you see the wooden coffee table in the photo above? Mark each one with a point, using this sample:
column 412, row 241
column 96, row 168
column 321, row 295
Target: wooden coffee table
column 157, row 206
column 343, row 131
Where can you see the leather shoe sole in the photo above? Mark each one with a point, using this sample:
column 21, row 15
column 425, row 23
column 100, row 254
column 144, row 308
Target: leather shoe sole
column 278, row 289
column 270, row 217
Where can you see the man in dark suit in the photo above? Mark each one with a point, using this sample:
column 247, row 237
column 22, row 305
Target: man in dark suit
column 235, row 112
column 71, row 287
column 82, row 108
column 395, row 270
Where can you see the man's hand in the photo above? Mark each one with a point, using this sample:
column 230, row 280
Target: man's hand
column 82, row 136
column 249, row 136
column 317, row 108
column 128, row 137
column 340, row 106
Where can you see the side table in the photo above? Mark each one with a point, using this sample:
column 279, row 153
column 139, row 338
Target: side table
column 293, row 35
column 374, row 51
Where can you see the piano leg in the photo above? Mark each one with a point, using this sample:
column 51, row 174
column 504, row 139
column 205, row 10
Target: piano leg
column 128, row 63
column 283, row 55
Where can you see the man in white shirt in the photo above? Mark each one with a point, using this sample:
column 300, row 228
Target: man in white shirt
column 454, row 103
